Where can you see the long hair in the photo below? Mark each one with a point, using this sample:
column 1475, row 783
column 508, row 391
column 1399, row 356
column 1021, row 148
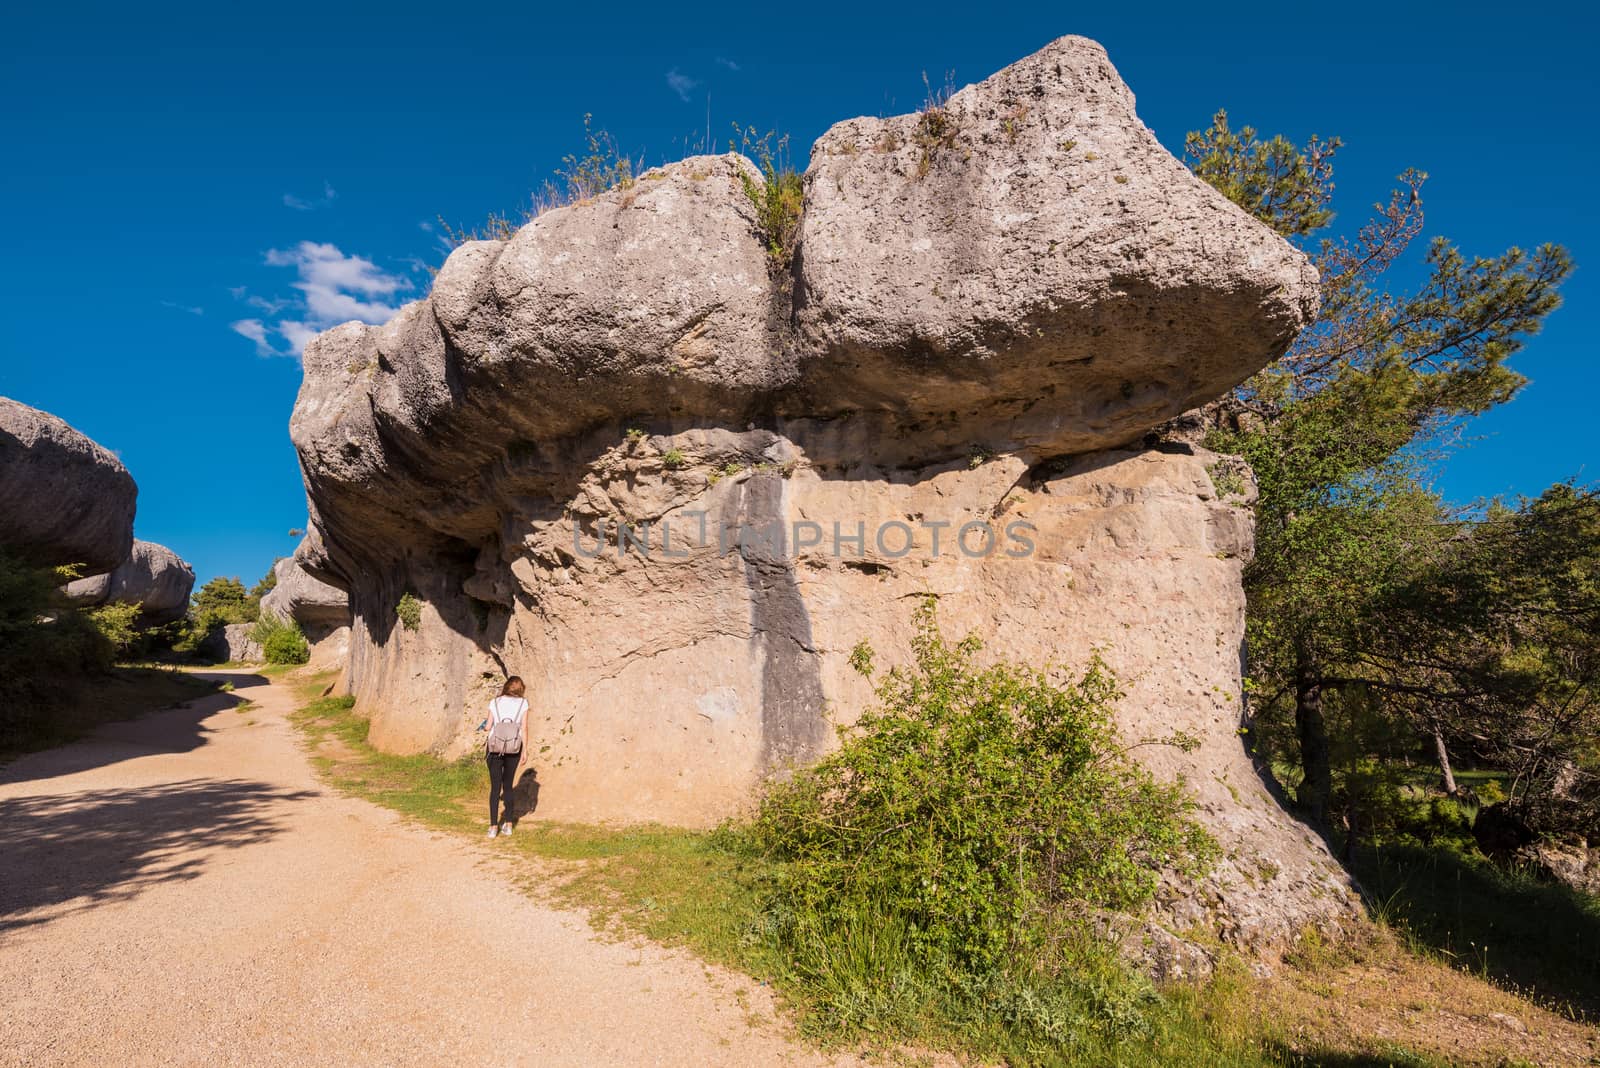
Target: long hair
column 513, row 687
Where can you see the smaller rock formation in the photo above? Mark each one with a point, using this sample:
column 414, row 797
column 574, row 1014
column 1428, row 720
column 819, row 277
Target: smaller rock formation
column 233, row 643
column 1570, row 861
column 305, row 600
column 153, row 577
column 322, row 611
column 63, row 499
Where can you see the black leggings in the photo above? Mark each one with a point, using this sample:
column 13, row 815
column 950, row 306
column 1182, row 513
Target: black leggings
column 502, row 776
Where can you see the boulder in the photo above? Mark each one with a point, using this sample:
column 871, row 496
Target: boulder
column 153, row 577
column 673, row 481
column 1028, row 262
column 1570, row 861
column 305, row 600
column 233, row 643
column 63, row 499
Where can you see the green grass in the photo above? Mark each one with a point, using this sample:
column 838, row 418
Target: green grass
column 83, row 704
column 274, row 671
column 703, row 891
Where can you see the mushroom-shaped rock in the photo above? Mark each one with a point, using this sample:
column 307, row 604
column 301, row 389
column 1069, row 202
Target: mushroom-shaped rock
column 989, row 303
column 1024, row 269
column 153, row 577
column 63, row 499
column 308, row 601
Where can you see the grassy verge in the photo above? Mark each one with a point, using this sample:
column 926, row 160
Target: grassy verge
column 84, row 704
column 1532, row 937
column 703, row 892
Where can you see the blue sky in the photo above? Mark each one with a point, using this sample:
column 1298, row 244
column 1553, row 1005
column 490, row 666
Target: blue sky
column 173, row 171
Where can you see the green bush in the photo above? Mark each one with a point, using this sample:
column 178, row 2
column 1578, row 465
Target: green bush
column 118, row 623
column 779, row 198
column 409, row 611
column 27, row 593
column 47, row 647
column 281, row 642
column 961, row 836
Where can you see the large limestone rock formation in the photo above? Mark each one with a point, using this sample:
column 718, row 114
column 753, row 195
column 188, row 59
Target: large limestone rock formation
column 948, row 391
column 322, row 611
column 153, row 577
column 63, row 499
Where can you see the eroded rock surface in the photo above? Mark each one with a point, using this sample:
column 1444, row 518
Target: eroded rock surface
column 153, row 577
column 306, row 600
column 63, row 498
column 946, row 392
column 234, row 643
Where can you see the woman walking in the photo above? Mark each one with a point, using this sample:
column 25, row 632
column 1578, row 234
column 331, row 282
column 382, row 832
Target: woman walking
column 508, row 736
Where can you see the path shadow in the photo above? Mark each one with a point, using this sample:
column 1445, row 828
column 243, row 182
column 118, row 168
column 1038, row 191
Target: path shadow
column 1325, row 1058
column 178, row 729
column 107, row 846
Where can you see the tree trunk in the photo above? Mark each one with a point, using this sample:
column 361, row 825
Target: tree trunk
column 1444, row 761
column 1317, row 785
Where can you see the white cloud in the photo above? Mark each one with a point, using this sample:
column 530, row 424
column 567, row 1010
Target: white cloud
column 256, row 331
column 191, row 309
column 271, row 307
column 298, row 335
column 681, row 84
column 334, row 288
column 730, row 64
column 300, row 204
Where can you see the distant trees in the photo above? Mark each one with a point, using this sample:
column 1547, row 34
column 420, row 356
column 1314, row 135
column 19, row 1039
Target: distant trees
column 1493, row 645
column 1420, row 624
column 223, row 601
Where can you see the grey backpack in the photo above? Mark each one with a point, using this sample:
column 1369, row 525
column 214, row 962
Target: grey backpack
column 505, row 736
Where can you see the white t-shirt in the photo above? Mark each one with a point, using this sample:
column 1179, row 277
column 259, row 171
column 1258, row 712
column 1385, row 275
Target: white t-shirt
column 505, row 707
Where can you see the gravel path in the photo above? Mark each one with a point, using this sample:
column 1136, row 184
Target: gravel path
column 180, row 889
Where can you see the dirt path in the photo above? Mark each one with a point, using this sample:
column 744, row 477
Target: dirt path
column 180, row 890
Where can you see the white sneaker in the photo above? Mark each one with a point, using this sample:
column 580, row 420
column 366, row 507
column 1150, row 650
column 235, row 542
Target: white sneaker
column 493, row 831
column 505, row 829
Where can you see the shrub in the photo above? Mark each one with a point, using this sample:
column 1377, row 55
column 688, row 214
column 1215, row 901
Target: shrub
column 937, row 126
column 47, row 648
column 26, row 594
column 965, row 829
column 118, row 625
column 409, row 611
column 601, row 168
column 779, row 198
column 281, row 642
column 286, row 646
